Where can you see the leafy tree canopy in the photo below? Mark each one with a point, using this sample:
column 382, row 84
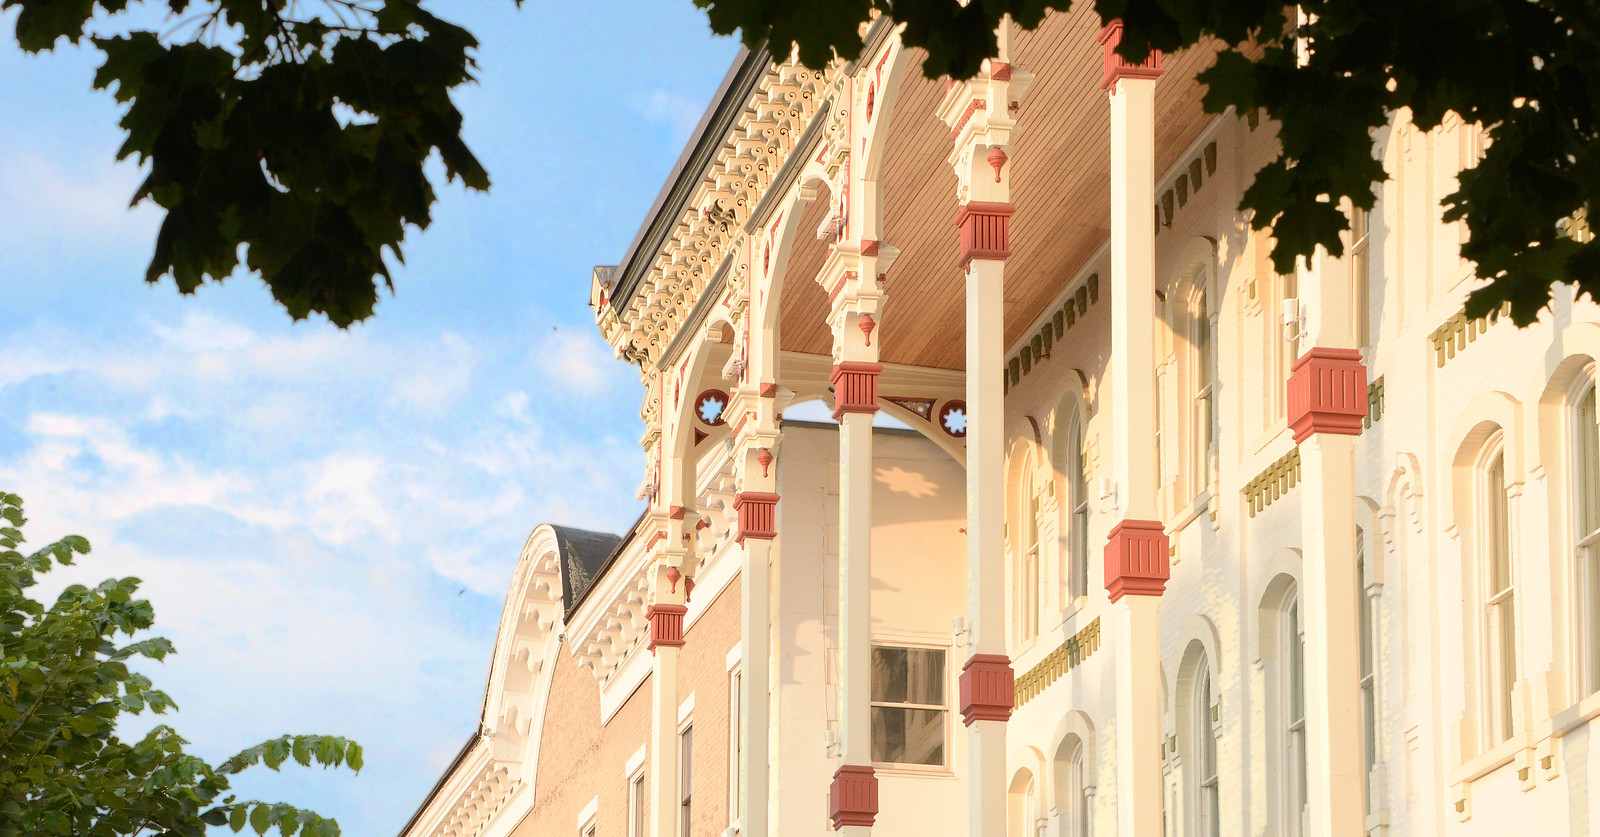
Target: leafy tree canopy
column 285, row 136
column 66, row 680
column 300, row 128
column 1526, row 70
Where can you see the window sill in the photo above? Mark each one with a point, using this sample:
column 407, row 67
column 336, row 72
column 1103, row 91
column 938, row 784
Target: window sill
column 1192, row 512
column 1575, row 716
column 1486, row 763
column 913, row 771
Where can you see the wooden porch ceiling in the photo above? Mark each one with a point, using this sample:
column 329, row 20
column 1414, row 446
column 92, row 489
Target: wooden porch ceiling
column 1061, row 192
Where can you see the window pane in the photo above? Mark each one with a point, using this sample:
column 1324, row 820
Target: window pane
column 889, row 674
column 1508, row 662
column 1297, row 695
column 926, row 676
column 686, row 762
column 1497, row 535
column 907, row 736
column 1588, row 444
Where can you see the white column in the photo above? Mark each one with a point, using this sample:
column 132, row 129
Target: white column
column 663, row 779
column 1136, row 550
column 1331, row 595
column 1136, row 623
column 986, row 739
column 756, row 628
column 1133, row 315
column 1327, row 400
column 855, row 593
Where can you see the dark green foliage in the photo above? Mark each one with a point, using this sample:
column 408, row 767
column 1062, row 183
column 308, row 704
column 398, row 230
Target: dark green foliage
column 1527, row 70
column 64, row 683
column 288, row 142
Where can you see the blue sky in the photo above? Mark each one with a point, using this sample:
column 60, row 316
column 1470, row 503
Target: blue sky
column 326, row 521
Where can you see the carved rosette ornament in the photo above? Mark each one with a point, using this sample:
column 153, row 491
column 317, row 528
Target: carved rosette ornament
column 853, row 797
column 1137, row 559
column 1327, row 393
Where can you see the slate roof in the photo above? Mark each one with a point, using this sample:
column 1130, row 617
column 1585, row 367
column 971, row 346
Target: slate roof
column 583, row 555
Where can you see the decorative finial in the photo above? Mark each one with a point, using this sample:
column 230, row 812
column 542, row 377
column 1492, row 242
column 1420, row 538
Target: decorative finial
column 672, row 578
column 764, row 456
column 997, row 159
column 867, row 324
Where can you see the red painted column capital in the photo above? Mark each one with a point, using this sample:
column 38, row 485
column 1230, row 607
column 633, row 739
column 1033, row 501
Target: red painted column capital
column 1115, row 67
column 853, row 796
column 855, row 387
column 985, row 231
column 758, row 515
column 988, row 689
column 1327, row 393
column 1137, row 559
column 666, row 624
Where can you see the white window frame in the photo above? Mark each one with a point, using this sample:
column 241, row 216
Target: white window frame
column 1585, row 549
column 1029, row 557
column 944, row 708
column 1203, row 734
column 1203, row 401
column 1361, row 276
column 736, row 721
column 638, row 804
column 684, row 815
column 1370, row 654
column 1077, row 564
column 1293, row 782
column 1498, row 676
column 587, row 818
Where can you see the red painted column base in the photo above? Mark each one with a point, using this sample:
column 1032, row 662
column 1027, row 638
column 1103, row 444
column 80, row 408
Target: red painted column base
column 758, row 515
column 1137, row 559
column 666, row 625
column 988, row 689
column 1327, row 393
column 853, row 796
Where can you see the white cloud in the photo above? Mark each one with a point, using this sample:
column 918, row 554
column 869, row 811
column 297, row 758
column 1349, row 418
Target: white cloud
column 579, row 363
column 440, row 375
column 676, row 111
column 42, row 198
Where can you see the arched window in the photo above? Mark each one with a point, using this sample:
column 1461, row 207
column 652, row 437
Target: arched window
column 1369, row 673
column 1022, row 805
column 1207, row 820
column 1586, row 537
column 1077, row 565
column 1074, row 793
column 1498, row 602
column 1292, row 697
column 1029, row 498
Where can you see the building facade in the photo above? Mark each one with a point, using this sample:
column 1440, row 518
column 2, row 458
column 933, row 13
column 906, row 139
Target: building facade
column 1160, row 542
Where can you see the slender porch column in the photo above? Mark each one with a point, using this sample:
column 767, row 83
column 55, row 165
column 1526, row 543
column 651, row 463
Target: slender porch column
column 665, row 613
column 757, row 512
column 1327, row 399
column 1136, row 558
column 979, row 113
column 754, row 415
column 853, row 796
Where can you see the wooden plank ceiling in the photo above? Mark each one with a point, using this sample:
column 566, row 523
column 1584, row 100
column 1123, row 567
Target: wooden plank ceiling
column 1061, row 192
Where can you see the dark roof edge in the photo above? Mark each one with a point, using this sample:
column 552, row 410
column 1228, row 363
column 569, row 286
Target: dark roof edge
column 709, row 135
column 605, row 566
column 450, row 770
